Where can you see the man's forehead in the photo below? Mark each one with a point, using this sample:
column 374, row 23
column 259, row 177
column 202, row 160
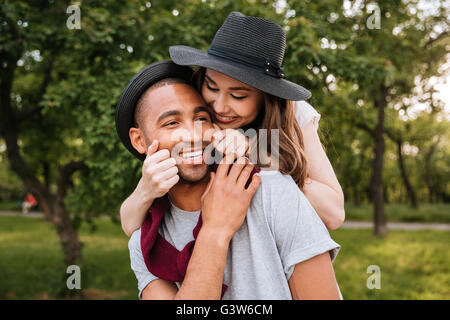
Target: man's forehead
column 172, row 96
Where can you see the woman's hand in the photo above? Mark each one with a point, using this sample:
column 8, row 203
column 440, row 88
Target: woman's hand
column 159, row 172
column 230, row 142
column 225, row 201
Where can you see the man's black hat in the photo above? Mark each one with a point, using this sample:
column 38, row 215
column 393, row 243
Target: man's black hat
column 136, row 87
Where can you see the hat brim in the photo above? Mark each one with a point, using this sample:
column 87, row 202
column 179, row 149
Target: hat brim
column 279, row 87
column 136, row 87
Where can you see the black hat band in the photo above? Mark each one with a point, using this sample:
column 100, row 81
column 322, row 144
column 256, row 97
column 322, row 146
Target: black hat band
column 265, row 65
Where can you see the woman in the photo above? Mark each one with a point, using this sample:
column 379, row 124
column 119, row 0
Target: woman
column 241, row 78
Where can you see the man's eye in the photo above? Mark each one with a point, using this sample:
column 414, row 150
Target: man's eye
column 202, row 119
column 239, row 98
column 212, row 89
column 171, row 123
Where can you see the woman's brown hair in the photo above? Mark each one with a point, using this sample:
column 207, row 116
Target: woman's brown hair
column 276, row 113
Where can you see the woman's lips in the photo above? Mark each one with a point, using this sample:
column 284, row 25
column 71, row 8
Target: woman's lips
column 222, row 119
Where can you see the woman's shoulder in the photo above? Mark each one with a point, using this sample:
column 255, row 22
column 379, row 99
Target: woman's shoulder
column 305, row 112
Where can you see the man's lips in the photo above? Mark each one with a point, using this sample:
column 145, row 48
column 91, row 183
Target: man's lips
column 191, row 157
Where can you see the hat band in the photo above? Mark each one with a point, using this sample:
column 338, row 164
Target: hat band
column 267, row 66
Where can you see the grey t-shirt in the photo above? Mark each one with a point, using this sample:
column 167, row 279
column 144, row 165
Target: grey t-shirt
column 280, row 230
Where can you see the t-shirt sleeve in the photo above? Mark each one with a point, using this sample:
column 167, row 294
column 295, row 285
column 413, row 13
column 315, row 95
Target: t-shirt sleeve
column 299, row 232
column 143, row 276
column 304, row 112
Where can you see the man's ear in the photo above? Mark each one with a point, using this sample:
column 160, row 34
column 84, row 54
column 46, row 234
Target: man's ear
column 137, row 140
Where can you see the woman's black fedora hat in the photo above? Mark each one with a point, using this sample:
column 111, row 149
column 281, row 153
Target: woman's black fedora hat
column 248, row 49
column 145, row 78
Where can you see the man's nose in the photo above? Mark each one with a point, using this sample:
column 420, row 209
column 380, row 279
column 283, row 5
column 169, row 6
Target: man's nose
column 191, row 132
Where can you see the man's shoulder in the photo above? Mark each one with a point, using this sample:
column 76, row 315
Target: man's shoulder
column 278, row 195
column 275, row 184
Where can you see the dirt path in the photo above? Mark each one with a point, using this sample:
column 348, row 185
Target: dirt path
column 410, row 226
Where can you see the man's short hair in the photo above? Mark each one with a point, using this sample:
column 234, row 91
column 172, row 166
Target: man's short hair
column 140, row 105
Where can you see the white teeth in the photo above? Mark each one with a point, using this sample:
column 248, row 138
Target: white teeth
column 194, row 154
column 225, row 118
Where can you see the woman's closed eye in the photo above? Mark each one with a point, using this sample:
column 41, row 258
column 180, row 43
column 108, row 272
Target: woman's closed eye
column 238, row 97
column 216, row 89
column 211, row 88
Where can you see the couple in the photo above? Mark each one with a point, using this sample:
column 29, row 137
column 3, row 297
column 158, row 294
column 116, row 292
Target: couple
column 230, row 231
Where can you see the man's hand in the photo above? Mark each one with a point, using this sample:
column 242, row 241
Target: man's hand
column 159, row 172
column 225, row 201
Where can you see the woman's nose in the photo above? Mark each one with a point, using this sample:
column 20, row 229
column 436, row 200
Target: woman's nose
column 220, row 105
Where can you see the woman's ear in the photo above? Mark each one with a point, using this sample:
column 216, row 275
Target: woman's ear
column 137, row 139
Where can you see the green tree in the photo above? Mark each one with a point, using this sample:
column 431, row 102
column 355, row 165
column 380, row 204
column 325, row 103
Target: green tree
column 379, row 61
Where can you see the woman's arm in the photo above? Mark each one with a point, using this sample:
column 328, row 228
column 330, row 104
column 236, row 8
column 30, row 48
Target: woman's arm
column 134, row 209
column 322, row 187
column 159, row 174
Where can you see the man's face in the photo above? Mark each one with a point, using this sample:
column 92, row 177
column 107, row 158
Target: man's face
column 177, row 116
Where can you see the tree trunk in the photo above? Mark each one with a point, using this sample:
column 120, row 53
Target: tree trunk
column 380, row 227
column 52, row 205
column 405, row 178
column 428, row 182
column 67, row 235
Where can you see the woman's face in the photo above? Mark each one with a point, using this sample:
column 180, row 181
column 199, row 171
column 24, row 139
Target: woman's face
column 235, row 104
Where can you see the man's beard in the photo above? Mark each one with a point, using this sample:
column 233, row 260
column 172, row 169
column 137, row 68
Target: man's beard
column 194, row 173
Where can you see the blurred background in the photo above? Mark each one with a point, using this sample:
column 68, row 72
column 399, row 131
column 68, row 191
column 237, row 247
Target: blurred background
column 379, row 73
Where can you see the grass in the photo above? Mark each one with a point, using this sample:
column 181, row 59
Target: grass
column 10, row 206
column 32, row 264
column 426, row 212
column 414, row 265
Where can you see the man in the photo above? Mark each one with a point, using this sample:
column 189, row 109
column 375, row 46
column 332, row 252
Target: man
column 263, row 241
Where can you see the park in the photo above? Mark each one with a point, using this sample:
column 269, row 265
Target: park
column 379, row 74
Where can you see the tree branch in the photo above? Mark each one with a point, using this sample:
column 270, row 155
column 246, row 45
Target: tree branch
column 439, row 37
column 365, row 127
column 65, row 175
column 43, row 88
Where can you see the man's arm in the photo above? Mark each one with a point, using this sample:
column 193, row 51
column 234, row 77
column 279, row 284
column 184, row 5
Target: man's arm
column 314, row 279
column 204, row 274
column 224, row 206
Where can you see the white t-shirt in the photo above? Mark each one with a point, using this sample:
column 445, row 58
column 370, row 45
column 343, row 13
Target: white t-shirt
column 304, row 112
column 281, row 229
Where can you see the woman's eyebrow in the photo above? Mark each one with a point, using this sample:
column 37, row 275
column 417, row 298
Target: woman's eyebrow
column 209, row 79
column 232, row 88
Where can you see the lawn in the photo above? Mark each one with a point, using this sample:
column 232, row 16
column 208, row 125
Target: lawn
column 414, row 265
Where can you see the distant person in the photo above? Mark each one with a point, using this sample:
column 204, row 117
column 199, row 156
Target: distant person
column 28, row 202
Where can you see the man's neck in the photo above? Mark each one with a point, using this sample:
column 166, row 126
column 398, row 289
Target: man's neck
column 187, row 196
